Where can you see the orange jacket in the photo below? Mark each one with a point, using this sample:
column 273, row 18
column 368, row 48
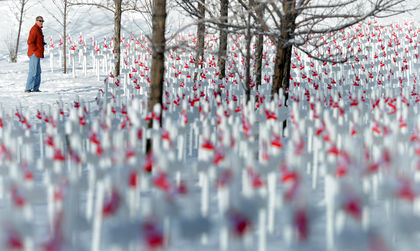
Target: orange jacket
column 36, row 42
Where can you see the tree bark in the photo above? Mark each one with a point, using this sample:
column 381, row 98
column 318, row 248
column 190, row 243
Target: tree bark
column 224, row 5
column 158, row 59
column 201, row 29
column 259, row 50
column 22, row 10
column 282, row 67
column 284, row 50
column 117, row 37
column 248, row 60
column 65, row 37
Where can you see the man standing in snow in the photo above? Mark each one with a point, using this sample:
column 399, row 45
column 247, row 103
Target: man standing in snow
column 35, row 53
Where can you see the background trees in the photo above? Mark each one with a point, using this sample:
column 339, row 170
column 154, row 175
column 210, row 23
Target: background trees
column 117, row 7
column 289, row 24
column 60, row 12
column 18, row 8
column 301, row 24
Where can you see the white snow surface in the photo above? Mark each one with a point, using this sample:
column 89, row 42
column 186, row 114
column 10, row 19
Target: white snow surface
column 91, row 22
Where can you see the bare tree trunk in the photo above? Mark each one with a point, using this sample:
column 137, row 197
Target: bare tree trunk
column 248, row 60
column 224, row 4
column 201, row 29
column 282, row 67
column 65, row 37
column 158, row 59
column 117, row 37
column 284, row 50
column 259, row 50
column 22, row 11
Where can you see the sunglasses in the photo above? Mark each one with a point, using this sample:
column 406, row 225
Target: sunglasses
column 40, row 21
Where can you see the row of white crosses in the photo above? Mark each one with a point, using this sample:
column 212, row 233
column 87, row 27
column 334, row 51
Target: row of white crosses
column 98, row 56
column 369, row 131
column 220, row 175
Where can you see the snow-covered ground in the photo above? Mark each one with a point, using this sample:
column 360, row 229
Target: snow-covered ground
column 55, row 86
column 92, row 22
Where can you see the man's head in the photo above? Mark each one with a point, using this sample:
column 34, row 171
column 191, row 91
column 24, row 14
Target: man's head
column 40, row 21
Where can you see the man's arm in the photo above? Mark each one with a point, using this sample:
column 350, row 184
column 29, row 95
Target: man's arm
column 32, row 37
